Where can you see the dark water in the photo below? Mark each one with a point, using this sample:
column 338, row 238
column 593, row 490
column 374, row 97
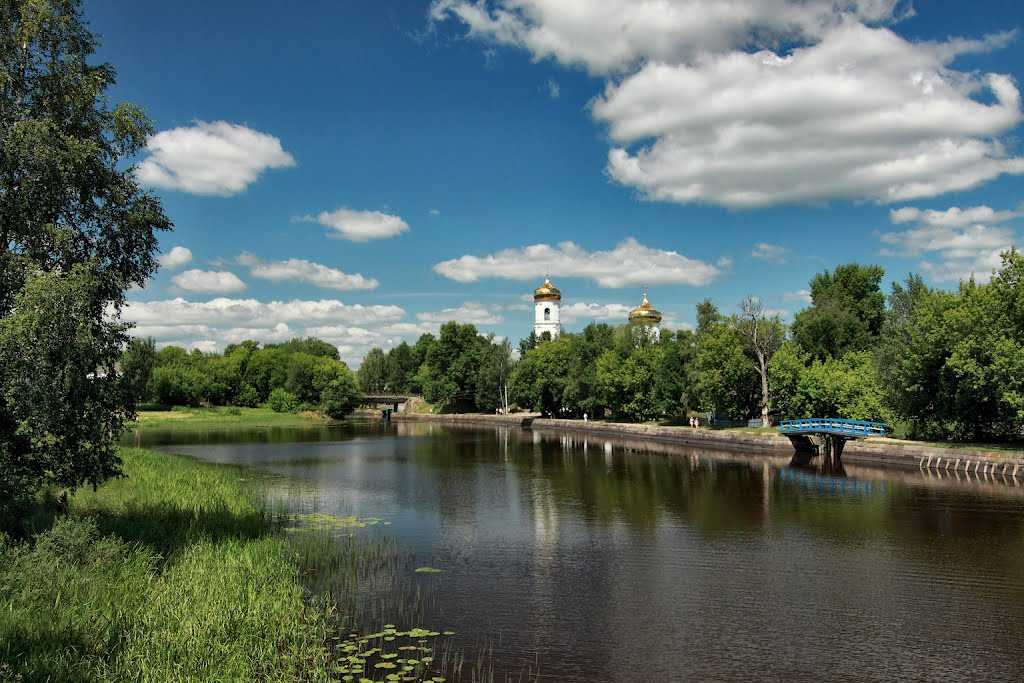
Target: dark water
column 589, row 559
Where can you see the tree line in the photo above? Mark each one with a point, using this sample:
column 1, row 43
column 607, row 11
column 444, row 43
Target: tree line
column 938, row 364
column 301, row 374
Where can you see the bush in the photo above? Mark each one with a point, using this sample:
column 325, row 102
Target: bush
column 282, row 401
column 341, row 397
column 248, row 397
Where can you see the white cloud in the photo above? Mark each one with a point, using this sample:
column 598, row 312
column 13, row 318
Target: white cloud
column 204, row 345
column 224, row 311
column 300, row 270
column 359, row 226
column 952, row 249
column 579, row 310
column 615, row 35
column 953, row 217
column 803, row 296
column 435, row 212
column 554, row 90
column 629, row 263
column 469, row 312
column 862, row 114
column 176, row 257
column 353, row 328
column 216, row 281
column 773, row 253
column 217, row 158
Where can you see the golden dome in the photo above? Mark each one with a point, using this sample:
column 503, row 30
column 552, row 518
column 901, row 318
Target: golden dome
column 645, row 313
column 547, row 292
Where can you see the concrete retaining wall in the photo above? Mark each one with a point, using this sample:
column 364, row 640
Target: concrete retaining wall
column 875, row 452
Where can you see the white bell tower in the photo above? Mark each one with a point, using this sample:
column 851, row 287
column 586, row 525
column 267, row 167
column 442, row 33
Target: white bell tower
column 547, row 300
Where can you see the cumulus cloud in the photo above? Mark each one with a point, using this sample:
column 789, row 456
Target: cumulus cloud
column 579, row 310
column 469, row 312
column 353, row 328
column 554, row 90
column 358, row 226
column 861, row 114
column 215, row 281
column 211, row 158
column 773, row 253
column 802, row 295
column 629, row 263
column 953, row 217
column 615, row 35
column 300, row 270
column 176, row 257
column 224, row 311
column 954, row 244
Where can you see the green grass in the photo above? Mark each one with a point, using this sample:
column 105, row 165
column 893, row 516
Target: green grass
column 176, row 573
column 198, row 418
column 180, row 572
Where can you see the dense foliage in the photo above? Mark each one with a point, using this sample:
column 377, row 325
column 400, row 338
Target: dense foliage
column 460, row 370
column 952, row 363
column 623, row 372
column 76, row 232
column 286, row 376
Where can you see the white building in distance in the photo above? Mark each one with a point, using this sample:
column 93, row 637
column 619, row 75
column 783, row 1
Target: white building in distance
column 547, row 300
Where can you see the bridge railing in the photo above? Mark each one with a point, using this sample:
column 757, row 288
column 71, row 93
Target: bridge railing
column 833, row 425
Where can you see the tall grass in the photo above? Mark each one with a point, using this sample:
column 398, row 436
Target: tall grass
column 180, row 572
column 175, row 573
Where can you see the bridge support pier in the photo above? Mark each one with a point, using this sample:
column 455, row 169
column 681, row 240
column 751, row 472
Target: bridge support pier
column 832, row 448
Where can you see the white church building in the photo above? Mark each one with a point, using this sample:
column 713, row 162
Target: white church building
column 547, row 302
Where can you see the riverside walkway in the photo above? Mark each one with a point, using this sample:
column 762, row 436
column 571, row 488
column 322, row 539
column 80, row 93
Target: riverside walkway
column 832, row 432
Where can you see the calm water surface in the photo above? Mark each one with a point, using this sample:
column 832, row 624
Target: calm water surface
column 590, row 559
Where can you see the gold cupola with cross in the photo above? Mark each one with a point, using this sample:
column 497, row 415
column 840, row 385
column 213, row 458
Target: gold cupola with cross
column 647, row 315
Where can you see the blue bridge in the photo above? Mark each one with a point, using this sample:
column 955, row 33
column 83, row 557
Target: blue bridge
column 831, row 432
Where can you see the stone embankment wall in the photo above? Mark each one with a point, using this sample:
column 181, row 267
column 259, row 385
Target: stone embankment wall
column 877, row 452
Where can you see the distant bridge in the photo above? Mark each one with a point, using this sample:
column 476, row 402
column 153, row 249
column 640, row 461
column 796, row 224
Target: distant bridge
column 391, row 400
column 832, row 432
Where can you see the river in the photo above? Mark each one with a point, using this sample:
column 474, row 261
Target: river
column 593, row 559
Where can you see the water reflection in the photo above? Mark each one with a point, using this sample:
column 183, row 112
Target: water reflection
column 616, row 559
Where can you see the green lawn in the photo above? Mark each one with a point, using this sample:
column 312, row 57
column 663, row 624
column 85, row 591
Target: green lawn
column 192, row 418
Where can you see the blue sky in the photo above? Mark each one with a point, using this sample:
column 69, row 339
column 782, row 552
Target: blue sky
column 376, row 167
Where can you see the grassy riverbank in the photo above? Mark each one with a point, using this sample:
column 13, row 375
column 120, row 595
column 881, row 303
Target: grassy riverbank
column 180, row 572
column 193, row 418
column 176, row 572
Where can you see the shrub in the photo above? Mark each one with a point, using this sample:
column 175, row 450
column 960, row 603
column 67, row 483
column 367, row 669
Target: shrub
column 282, row 401
column 341, row 397
column 248, row 397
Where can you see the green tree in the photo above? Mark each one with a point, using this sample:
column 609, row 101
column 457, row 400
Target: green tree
column 401, row 368
column 493, row 370
column 541, row 379
column 449, row 374
column 137, row 366
column 310, row 346
column 846, row 387
column 73, row 221
column 727, row 383
column 341, row 396
column 373, row 372
column 529, row 343
column 846, row 314
column 266, row 370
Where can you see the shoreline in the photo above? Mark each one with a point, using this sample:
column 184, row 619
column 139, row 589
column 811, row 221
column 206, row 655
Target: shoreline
column 870, row 452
